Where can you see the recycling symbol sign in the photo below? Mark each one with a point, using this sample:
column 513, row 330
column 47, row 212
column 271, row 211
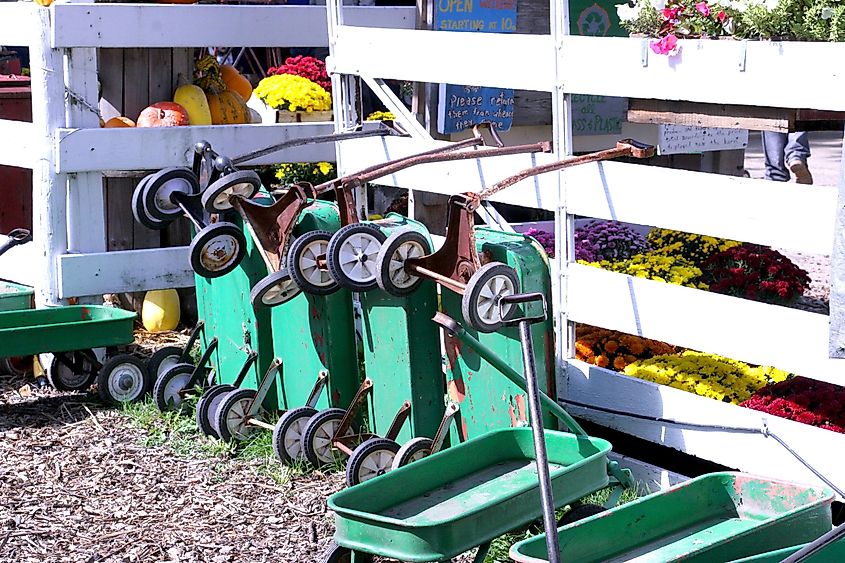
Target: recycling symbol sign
column 594, row 21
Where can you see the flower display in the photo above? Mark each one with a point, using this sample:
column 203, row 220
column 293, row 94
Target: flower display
column 381, row 116
column 312, row 172
column 707, row 375
column 293, row 93
column 545, row 238
column 692, row 247
column 612, row 349
column 608, row 240
column 668, row 269
column 755, row 272
column 306, row 67
column 803, row 400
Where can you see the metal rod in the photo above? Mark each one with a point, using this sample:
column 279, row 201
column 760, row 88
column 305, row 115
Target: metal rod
column 342, row 447
column 200, row 367
column 316, row 391
column 250, row 359
column 260, row 424
column 184, row 203
column 454, row 285
column 359, row 399
column 192, row 339
column 541, row 457
column 440, row 435
column 398, row 421
column 264, row 387
column 382, row 131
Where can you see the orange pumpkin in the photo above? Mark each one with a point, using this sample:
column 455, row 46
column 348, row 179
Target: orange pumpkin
column 119, row 121
column 163, row 114
column 235, row 81
column 227, row 108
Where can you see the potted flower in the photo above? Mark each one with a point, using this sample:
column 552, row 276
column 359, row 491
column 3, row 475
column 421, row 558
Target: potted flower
column 288, row 98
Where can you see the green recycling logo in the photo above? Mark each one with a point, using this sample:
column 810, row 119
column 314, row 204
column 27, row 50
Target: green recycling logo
column 594, row 21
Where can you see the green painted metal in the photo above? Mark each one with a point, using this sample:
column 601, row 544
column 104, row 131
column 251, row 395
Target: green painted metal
column 14, row 296
column 446, row 504
column 62, row 329
column 487, row 400
column 308, row 333
column 833, row 553
column 715, row 517
column 402, row 352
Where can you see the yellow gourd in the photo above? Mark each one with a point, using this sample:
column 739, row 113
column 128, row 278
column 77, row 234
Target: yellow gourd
column 193, row 99
column 160, row 311
column 228, row 108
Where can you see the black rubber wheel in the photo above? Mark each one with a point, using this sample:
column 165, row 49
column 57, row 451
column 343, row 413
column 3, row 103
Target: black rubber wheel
column 480, row 303
column 140, row 213
column 413, row 450
column 353, row 254
column 217, row 249
column 390, row 263
column 273, row 290
column 232, row 415
column 163, row 359
column 371, row 458
column 245, row 183
column 207, row 404
column 302, row 263
column 579, row 513
column 159, row 187
column 66, row 378
column 318, row 434
column 19, row 366
column 336, row 554
column 167, row 387
column 123, row 379
column 288, row 433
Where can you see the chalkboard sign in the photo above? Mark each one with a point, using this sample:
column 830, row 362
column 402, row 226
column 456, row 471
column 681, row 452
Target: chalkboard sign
column 461, row 107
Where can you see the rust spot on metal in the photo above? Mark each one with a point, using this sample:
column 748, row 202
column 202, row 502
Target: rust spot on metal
column 520, row 405
column 464, row 433
column 453, row 350
column 456, row 390
column 512, row 414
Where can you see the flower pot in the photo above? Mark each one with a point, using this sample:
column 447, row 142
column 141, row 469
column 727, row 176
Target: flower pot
column 284, row 116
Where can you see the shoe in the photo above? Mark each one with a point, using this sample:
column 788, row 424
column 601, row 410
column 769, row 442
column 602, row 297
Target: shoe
column 800, row 171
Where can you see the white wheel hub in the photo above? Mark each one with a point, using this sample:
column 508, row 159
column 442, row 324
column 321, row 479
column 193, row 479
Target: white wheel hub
column 167, row 363
column 396, row 269
column 221, row 201
column 376, row 463
column 173, row 386
column 293, row 437
column 162, row 196
column 236, row 419
column 309, row 263
column 358, row 257
column 125, row 382
column 323, row 440
column 219, row 252
column 491, row 293
column 277, row 293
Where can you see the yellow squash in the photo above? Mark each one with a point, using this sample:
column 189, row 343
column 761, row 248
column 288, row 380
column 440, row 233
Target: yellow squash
column 228, row 108
column 193, row 99
column 160, row 311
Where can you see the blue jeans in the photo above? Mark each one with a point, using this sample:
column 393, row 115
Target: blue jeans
column 781, row 148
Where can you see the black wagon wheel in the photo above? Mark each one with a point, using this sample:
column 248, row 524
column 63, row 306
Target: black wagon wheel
column 168, row 387
column 579, row 513
column 413, row 450
column 139, row 211
column 217, row 249
column 390, row 263
column 244, row 183
column 123, row 379
column 232, row 415
column 353, row 254
column 306, row 262
column 336, row 554
column 163, row 359
column 69, row 371
column 372, row 458
column 318, row 434
column 207, row 406
column 486, row 287
column 162, row 185
column 288, row 434
column 273, row 290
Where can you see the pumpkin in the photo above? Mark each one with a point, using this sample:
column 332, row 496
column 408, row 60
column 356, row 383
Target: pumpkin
column 235, row 81
column 193, row 99
column 119, row 121
column 163, row 114
column 228, row 108
column 160, row 310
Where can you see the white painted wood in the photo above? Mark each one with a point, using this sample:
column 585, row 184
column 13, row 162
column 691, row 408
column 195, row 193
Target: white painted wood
column 125, row 271
column 18, row 21
column 458, row 176
column 650, row 478
column 146, row 148
column 510, row 60
column 836, row 344
column 709, row 71
column 48, row 187
column 725, row 206
column 755, row 332
column 171, row 25
column 753, row 453
column 18, row 264
column 18, row 143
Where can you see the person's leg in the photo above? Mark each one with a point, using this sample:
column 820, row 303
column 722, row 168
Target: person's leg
column 774, row 145
column 796, row 153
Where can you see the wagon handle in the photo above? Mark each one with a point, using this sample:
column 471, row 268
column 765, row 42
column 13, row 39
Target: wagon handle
column 519, row 298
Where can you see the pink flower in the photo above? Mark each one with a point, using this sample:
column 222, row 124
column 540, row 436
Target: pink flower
column 666, row 46
column 703, row 9
column 721, row 16
column 671, row 13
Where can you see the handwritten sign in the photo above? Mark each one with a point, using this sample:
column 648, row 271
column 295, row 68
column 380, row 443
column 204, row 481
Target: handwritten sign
column 684, row 139
column 598, row 115
column 461, row 107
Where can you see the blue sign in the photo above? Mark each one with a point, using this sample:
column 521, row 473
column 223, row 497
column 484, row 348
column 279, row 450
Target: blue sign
column 461, row 107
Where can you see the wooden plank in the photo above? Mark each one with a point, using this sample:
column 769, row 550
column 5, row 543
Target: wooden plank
column 181, row 67
column 110, row 62
column 18, row 143
column 836, row 339
column 119, row 214
column 159, row 75
column 753, row 69
column 790, row 339
column 136, row 96
column 126, row 271
column 445, row 56
column 711, row 115
column 750, row 452
column 737, row 208
column 104, row 25
column 26, row 21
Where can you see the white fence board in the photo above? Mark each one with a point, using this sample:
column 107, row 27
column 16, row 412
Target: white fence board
column 173, row 25
column 18, row 143
column 124, row 271
column 510, row 60
column 459, row 176
column 753, row 453
column 18, row 23
column 779, row 214
column 720, row 72
column 750, row 331
column 146, row 148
